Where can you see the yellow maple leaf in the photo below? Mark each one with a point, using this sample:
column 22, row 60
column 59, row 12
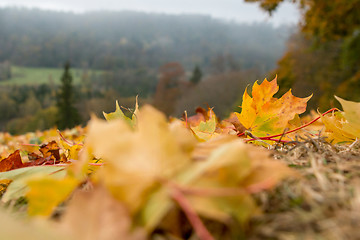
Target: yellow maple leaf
column 264, row 115
column 118, row 114
column 205, row 130
column 96, row 214
column 228, row 175
column 46, row 193
column 343, row 126
column 135, row 160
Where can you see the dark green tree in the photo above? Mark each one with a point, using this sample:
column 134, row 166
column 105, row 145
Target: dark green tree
column 197, row 75
column 68, row 115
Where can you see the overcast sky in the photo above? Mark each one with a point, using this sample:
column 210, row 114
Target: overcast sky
column 226, row 9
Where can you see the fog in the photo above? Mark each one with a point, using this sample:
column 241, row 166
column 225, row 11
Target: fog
column 232, row 10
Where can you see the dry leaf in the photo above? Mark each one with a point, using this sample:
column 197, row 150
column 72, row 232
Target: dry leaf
column 46, row 193
column 96, row 215
column 13, row 161
column 343, row 126
column 264, row 115
column 136, row 160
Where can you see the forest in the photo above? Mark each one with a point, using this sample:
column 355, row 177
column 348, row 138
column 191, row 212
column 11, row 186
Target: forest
column 130, row 48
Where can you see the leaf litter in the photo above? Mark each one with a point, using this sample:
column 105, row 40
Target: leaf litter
column 143, row 177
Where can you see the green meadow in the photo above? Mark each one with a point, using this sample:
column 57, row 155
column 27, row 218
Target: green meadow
column 37, row 76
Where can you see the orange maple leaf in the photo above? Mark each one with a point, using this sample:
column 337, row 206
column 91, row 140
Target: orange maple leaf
column 13, row 161
column 264, row 115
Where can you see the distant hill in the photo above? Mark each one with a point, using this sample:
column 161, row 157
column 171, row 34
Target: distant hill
column 117, row 40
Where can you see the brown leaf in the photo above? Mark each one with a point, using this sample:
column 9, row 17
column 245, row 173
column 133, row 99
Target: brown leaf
column 50, row 150
column 233, row 119
column 200, row 116
column 96, row 215
column 13, row 161
column 3, row 185
column 50, row 155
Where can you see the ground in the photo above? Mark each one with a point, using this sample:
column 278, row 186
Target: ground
column 322, row 203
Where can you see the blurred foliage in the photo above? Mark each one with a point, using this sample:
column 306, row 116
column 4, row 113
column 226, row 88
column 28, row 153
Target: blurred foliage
column 324, row 56
column 323, row 19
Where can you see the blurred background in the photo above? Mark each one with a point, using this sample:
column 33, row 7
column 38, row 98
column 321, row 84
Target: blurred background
column 176, row 55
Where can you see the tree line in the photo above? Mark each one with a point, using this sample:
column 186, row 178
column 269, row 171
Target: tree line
column 131, row 40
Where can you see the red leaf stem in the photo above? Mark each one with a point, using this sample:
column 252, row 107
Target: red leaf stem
column 29, row 144
column 269, row 139
column 192, row 216
column 67, row 141
column 225, row 191
column 272, row 137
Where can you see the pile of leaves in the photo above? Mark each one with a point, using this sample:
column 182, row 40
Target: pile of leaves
column 261, row 173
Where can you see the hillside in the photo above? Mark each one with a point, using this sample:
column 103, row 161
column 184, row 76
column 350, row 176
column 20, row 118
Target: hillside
column 107, row 40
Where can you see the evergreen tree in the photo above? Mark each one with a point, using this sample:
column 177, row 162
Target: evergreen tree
column 197, row 75
column 68, row 115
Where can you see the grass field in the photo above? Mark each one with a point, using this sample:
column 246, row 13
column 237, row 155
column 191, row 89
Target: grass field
column 35, row 76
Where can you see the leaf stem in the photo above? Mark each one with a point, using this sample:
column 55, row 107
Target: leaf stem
column 225, row 191
column 272, row 137
column 29, row 144
column 67, row 141
column 192, row 216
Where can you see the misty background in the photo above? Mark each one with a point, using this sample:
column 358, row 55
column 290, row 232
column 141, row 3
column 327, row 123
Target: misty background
column 176, row 56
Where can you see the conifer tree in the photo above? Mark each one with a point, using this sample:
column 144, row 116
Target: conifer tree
column 197, row 75
column 68, row 115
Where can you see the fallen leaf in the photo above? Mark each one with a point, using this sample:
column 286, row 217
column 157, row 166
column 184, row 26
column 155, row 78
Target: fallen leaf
column 71, row 151
column 135, row 161
column 13, row 161
column 15, row 228
column 264, row 115
column 200, row 116
column 343, row 126
column 96, row 215
column 50, row 150
column 222, row 183
column 3, row 186
column 118, row 114
column 19, row 177
column 46, row 193
column 205, row 130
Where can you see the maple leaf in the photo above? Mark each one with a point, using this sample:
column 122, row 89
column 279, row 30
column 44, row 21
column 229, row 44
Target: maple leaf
column 200, row 116
column 118, row 114
column 13, row 227
column 19, row 177
column 50, row 155
column 225, row 180
column 3, row 186
column 264, row 115
column 71, row 151
column 136, row 159
column 205, row 130
column 50, row 150
column 97, row 215
column 13, row 161
column 46, row 193
column 343, row 126
column 218, row 183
